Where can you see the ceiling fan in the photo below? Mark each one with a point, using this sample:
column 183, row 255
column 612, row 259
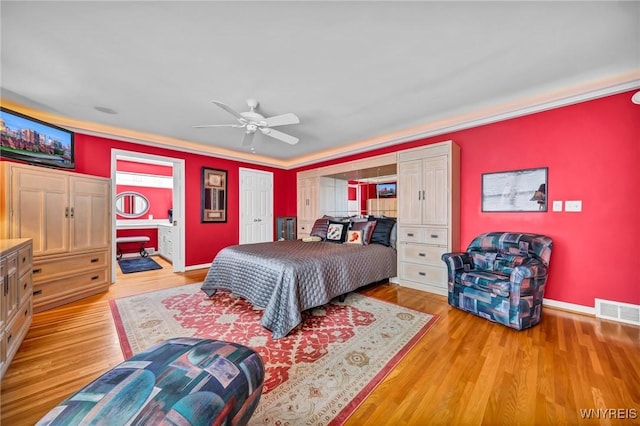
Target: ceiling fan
column 252, row 121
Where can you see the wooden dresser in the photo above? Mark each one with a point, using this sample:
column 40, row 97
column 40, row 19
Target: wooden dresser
column 15, row 297
column 68, row 217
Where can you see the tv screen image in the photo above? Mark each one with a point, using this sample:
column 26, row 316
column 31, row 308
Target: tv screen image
column 33, row 141
column 386, row 190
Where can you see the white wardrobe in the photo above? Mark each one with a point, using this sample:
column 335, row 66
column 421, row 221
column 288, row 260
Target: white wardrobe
column 428, row 214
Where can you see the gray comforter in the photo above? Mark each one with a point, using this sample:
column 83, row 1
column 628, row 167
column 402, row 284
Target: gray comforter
column 288, row 277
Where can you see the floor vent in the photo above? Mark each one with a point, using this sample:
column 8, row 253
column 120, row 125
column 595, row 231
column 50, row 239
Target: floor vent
column 618, row 311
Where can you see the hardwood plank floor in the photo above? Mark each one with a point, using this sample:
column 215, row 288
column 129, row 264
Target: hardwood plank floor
column 464, row 371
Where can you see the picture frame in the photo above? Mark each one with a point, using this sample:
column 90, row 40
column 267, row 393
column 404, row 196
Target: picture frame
column 523, row 190
column 213, row 196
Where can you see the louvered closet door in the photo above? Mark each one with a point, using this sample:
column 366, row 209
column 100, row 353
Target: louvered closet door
column 435, row 209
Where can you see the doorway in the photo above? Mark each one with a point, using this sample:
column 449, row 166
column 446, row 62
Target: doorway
column 178, row 203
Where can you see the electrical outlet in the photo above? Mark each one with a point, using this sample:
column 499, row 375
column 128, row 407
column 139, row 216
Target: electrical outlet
column 557, row 206
column 573, row 206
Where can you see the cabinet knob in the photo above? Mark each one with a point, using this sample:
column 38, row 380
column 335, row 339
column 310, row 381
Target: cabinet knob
column 434, row 235
column 422, row 274
column 410, row 234
column 422, row 254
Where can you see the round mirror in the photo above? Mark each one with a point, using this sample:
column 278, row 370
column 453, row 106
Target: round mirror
column 131, row 204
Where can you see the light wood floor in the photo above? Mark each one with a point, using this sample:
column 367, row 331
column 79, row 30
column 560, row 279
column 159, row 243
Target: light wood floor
column 465, row 371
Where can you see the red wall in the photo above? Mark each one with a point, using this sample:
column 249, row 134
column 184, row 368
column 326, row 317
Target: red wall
column 203, row 240
column 592, row 150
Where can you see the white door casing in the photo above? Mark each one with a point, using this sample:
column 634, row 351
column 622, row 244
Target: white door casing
column 256, row 206
column 178, row 203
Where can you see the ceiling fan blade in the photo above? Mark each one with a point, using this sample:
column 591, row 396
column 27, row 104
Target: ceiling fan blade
column 291, row 140
column 219, row 125
column 282, row 120
column 230, row 110
column 247, row 138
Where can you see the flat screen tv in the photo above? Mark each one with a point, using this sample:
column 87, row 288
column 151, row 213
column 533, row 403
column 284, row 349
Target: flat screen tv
column 386, row 190
column 33, row 141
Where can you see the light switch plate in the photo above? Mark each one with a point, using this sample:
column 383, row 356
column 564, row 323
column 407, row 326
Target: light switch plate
column 557, row 206
column 573, row 206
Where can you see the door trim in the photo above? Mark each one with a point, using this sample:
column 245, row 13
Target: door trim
column 178, row 202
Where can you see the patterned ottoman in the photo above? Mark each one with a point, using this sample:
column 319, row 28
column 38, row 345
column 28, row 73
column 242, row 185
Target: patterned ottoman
column 183, row 381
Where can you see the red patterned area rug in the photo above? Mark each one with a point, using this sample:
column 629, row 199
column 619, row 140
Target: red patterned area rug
column 317, row 375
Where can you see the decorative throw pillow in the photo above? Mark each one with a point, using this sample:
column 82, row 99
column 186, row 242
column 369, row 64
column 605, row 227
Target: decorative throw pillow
column 319, row 228
column 337, row 231
column 354, row 237
column 382, row 231
column 366, row 228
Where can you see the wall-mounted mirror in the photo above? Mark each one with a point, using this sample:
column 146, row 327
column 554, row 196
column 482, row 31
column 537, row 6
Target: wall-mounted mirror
column 131, row 204
column 364, row 198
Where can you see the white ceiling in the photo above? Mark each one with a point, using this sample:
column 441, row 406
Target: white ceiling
column 358, row 74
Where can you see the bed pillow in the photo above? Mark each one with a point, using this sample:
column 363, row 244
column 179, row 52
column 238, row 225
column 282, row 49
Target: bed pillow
column 393, row 238
column 337, row 231
column 366, row 228
column 319, row 228
column 354, row 237
column 382, row 231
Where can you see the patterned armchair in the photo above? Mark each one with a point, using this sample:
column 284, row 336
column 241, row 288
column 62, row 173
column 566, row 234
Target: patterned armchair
column 501, row 277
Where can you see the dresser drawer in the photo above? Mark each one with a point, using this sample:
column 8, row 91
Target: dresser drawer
column 68, row 289
column 17, row 329
column 25, row 260
column 421, row 253
column 25, row 288
column 416, row 234
column 425, row 274
column 410, row 234
column 435, row 236
column 50, row 269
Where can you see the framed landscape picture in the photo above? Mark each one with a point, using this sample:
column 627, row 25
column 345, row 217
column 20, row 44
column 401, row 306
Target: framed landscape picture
column 515, row 191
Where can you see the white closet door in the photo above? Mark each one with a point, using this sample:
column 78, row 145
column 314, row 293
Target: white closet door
column 256, row 206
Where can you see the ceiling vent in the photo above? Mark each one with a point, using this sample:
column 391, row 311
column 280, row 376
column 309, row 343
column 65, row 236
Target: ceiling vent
column 618, row 311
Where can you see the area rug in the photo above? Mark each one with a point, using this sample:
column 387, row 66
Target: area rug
column 139, row 264
column 317, row 375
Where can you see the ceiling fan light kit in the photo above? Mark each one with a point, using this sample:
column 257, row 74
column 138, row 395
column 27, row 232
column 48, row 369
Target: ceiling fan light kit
column 252, row 121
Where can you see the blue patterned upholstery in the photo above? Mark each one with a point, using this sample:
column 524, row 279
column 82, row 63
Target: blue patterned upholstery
column 182, row 381
column 501, row 277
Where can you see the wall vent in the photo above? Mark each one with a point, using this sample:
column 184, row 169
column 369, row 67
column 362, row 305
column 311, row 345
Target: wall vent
column 618, row 311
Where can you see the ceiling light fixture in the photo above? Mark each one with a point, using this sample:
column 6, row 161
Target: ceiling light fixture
column 636, row 98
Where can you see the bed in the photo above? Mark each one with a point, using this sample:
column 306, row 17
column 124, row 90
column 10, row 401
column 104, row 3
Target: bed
column 286, row 278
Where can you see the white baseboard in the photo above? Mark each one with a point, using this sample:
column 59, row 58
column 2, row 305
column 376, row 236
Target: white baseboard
column 201, row 266
column 581, row 309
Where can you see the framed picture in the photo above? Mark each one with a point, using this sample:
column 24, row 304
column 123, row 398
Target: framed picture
column 214, row 195
column 515, row 191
